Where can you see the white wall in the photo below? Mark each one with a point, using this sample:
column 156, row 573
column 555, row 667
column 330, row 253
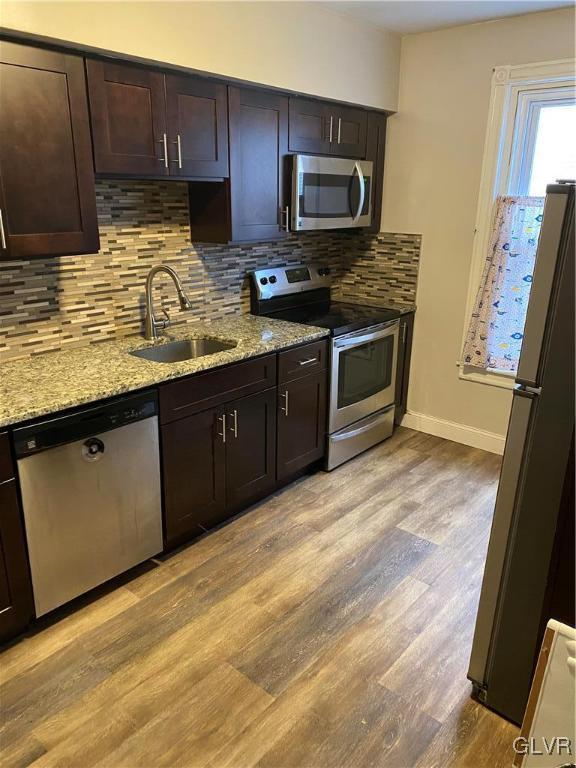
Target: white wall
column 290, row 45
column 433, row 164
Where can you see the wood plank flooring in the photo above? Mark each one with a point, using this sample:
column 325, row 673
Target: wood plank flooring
column 329, row 626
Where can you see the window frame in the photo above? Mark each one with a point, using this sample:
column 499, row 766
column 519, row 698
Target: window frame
column 498, row 169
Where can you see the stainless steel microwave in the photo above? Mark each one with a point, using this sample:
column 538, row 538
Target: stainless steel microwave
column 331, row 192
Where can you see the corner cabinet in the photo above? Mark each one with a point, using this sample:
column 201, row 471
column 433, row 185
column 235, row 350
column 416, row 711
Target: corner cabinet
column 147, row 124
column 47, row 194
column 16, row 604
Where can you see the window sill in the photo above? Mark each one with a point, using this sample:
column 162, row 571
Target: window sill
column 502, row 380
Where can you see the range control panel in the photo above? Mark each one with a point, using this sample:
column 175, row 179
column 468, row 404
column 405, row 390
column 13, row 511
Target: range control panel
column 285, row 281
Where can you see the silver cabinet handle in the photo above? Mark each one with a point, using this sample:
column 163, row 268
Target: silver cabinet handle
column 285, row 218
column 308, row 362
column 2, row 233
column 164, row 141
column 360, row 172
column 339, row 130
column 285, row 409
column 234, row 416
column 331, row 127
column 178, row 143
column 223, row 433
column 404, row 327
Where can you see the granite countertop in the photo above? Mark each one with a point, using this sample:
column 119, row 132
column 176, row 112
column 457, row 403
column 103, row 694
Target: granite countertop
column 53, row 382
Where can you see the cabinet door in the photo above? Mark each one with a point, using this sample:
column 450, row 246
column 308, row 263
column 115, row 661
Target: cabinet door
column 16, row 607
column 194, row 474
column 309, row 128
column 349, row 132
column 258, row 146
column 47, row 195
column 375, row 149
column 250, row 448
column 197, row 116
column 128, row 115
column 301, row 424
column 403, row 365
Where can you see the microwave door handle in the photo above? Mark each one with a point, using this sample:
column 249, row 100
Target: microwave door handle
column 358, row 169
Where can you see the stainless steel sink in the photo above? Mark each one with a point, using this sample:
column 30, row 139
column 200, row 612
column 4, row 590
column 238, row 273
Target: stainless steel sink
column 187, row 349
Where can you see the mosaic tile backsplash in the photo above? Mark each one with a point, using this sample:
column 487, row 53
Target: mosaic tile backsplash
column 55, row 303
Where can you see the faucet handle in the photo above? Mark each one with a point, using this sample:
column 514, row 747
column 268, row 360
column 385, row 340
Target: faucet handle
column 161, row 324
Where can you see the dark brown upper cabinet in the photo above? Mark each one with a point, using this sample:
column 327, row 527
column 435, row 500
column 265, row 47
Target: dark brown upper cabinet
column 309, row 127
column 375, row 149
column 47, row 195
column 128, row 114
column 258, row 149
column 253, row 204
column 321, row 128
column 147, row 124
column 197, row 126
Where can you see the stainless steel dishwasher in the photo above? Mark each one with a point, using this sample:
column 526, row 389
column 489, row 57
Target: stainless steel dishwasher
column 90, row 485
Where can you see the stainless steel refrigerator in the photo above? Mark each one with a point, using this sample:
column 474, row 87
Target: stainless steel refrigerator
column 534, row 504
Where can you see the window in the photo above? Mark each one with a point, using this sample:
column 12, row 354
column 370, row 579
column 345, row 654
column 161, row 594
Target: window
column 529, row 144
column 543, row 148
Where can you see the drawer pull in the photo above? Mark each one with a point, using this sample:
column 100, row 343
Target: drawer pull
column 309, row 361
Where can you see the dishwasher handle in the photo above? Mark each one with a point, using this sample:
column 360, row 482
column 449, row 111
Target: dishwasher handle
column 83, row 424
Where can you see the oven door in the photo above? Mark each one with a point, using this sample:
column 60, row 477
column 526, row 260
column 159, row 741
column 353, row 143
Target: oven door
column 363, row 373
column 331, row 193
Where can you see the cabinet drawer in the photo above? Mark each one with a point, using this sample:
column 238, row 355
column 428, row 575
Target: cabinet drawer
column 206, row 390
column 6, row 468
column 301, row 361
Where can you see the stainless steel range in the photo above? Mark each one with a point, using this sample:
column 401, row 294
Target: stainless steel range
column 364, row 349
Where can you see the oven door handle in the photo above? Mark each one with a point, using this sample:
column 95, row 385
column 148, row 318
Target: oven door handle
column 354, row 341
column 358, row 169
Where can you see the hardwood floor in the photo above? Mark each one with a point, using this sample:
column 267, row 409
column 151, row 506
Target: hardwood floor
column 329, row 626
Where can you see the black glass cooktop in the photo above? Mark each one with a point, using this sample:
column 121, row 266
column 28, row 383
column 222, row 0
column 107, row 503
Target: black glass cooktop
column 338, row 317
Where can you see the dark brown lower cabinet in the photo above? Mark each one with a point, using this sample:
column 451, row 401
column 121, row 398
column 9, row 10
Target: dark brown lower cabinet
column 193, row 456
column 217, row 461
column 16, row 604
column 301, row 423
column 403, row 365
column 250, row 448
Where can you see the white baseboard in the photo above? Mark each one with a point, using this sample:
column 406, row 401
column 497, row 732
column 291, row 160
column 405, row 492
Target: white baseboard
column 459, row 433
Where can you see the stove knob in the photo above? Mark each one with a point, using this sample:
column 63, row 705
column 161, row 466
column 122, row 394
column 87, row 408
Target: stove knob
column 273, row 279
column 326, row 270
column 264, row 281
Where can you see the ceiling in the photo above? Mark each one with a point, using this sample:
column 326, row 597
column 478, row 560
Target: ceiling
column 408, row 16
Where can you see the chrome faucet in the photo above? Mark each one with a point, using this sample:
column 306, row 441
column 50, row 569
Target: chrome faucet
column 151, row 324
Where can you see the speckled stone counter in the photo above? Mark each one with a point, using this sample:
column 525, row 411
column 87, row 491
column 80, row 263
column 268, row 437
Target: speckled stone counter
column 59, row 380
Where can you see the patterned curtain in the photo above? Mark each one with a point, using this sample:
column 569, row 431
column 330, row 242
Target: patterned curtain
column 495, row 333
